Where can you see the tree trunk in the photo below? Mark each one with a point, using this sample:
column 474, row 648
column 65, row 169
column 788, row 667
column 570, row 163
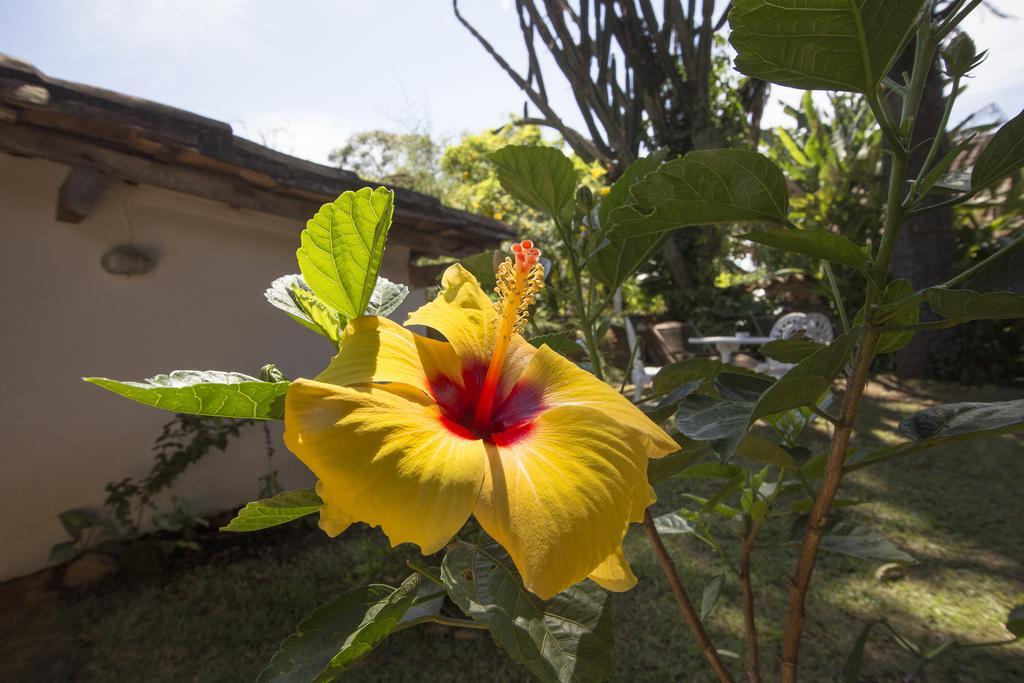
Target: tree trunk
column 926, row 249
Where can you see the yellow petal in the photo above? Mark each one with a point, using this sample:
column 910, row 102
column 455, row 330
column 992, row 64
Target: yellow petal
column 561, row 498
column 383, row 457
column 462, row 313
column 332, row 520
column 614, row 573
column 376, row 349
column 565, row 384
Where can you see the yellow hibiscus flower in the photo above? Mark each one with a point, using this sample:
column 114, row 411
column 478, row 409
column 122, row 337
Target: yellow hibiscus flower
column 415, row 435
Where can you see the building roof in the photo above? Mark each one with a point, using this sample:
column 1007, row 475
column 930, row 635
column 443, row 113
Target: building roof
column 106, row 134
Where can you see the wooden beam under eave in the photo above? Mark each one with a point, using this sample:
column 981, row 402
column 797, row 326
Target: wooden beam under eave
column 79, row 193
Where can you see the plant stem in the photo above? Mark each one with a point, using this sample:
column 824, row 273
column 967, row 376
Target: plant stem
column 685, row 606
column 837, row 295
column 823, row 504
column 750, row 627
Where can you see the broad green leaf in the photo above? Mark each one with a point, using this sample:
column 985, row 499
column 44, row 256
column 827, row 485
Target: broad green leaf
column 661, row 469
column 817, row 243
column 762, row 450
column 821, row 44
column 566, row 638
column 541, row 177
column 704, row 370
column 672, row 524
column 809, row 379
column 562, row 342
column 283, row 294
column 722, row 423
column 483, row 266
column 710, row 470
column 1003, row 155
column 864, row 544
column 1003, row 273
column 63, row 552
column 790, row 350
column 964, row 304
column 429, row 600
column 205, row 392
column 666, row 405
column 615, row 260
column 284, row 507
column 709, row 598
column 386, row 297
column 76, row 521
column 963, row 418
column 704, row 187
column 1015, row 621
column 742, row 387
column 340, row 633
column 342, row 247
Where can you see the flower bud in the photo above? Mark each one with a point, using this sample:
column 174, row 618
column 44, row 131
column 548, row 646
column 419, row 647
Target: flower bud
column 584, row 199
column 960, row 56
column 270, row 373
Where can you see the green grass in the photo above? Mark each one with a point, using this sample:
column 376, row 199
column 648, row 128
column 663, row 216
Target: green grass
column 958, row 509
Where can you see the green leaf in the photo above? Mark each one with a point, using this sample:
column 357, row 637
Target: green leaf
column 662, row 469
column 541, row 177
column 809, row 379
column 742, row 387
column 342, row 247
column 76, row 521
column 762, row 450
column 709, row 598
column 817, row 243
column 790, row 350
column 673, row 524
column 710, row 470
column 483, row 267
column 284, row 507
column 690, row 370
column 340, row 633
column 941, row 169
column 851, row 669
column 205, row 392
column 386, row 297
column 722, row 423
column 291, row 294
column 1015, row 621
column 863, row 544
column 1003, row 155
column 964, row 305
column 704, row 187
column 566, row 638
column 964, row 418
column 62, row 552
column 897, row 290
column 821, row 44
column 614, row 260
column 1003, row 273
column 561, row 342
column 328, row 321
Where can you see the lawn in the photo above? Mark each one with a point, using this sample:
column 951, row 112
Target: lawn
column 220, row 617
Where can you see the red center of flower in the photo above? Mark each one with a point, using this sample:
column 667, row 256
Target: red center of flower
column 510, row 418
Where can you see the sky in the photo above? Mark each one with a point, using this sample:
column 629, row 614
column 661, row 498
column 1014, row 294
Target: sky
column 301, row 76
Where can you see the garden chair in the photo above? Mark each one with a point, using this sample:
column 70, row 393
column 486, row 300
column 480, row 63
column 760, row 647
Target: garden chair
column 813, row 326
column 660, row 343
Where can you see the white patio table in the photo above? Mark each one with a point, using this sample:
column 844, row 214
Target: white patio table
column 729, row 345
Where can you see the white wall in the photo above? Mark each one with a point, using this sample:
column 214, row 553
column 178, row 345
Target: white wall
column 202, row 307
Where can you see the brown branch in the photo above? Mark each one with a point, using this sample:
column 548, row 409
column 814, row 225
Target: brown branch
column 750, row 627
column 685, row 606
column 833, row 475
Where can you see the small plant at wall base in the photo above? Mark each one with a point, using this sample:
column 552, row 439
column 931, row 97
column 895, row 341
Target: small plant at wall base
column 182, row 443
column 416, row 435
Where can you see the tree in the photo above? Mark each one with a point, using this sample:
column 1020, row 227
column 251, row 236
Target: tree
column 409, row 160
column 642, row 79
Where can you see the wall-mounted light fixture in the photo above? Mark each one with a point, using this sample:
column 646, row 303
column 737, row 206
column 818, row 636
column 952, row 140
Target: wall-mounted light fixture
column 127, row 259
